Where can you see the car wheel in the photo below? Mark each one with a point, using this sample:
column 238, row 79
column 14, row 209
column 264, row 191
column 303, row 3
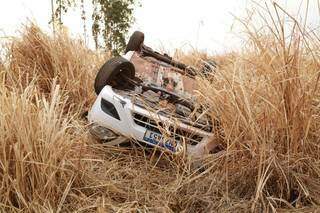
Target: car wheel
column 135, row 42
column 112, row 73
column 209, row 66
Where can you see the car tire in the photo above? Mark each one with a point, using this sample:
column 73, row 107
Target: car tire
column 111, row 73
column 208, row 66
column 135, row 42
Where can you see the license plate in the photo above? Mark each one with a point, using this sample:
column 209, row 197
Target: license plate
column 157, row 139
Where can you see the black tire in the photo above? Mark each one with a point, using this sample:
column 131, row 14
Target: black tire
column 111, row 73
column 135, row 42
column 208, row 67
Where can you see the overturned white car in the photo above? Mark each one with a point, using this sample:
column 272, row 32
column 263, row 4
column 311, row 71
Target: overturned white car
column 148, row 97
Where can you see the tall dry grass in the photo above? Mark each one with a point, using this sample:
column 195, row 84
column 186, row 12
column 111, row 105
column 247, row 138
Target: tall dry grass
column 41, row 58
column 266, row 98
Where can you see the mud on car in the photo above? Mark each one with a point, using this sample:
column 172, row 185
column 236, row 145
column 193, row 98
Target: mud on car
column 149, row 97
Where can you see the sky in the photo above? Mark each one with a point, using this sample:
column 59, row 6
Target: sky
column 167, row 24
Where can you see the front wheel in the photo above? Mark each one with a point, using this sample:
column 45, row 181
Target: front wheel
column 112, row 73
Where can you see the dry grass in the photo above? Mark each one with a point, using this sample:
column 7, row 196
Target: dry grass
column 266, row 97
column 37, row 57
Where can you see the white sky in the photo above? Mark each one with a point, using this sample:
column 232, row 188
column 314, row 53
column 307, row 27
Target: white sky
column 167, row 24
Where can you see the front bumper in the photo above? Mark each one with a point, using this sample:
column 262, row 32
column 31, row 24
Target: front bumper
column 132, row 121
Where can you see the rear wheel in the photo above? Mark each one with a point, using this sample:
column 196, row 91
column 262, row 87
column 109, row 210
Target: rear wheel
column 135, row 42
column 114, row 73
column 208, row 67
